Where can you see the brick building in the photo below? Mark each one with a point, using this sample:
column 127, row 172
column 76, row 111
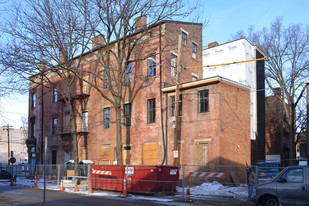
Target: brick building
column 249, row 73
column 276, row 130
column 17, row 144
column 215, row 126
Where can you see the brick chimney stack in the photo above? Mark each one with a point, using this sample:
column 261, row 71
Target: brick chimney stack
column 62, row 57
column 42, row 65
column 140, row 22
column 98, row 41
column 212, row 44
column 277, row 91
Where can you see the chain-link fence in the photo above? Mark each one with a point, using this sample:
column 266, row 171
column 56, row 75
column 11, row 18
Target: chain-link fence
column 145, row 179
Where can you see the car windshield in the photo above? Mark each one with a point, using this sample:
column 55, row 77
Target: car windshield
column 280, row 173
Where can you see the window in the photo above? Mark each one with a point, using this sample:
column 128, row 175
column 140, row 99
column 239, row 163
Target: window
column 55, row 95
column 127, row 114
column 105, row 86
column 203, row 103
column 151, row 111
column 152, row 66
column 67, row 156
column 54, row 157
column 32, row 128
column 129, row 72
column 106, row 118
column 173, row 65
column 184, row 38
column 294, row 175
column 173, row 105
column 85, row 121
column 54, row 126
column 33, row 100
column 194, row 51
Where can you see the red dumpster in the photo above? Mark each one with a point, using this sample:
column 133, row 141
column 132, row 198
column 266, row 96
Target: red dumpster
column 140, row 179
column 106, row 177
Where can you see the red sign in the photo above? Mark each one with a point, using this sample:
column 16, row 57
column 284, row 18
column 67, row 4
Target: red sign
column 12, row 160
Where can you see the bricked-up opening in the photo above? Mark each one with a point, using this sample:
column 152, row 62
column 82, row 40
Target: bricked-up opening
column 212, row 44
column 140, row 22
column 98, row 41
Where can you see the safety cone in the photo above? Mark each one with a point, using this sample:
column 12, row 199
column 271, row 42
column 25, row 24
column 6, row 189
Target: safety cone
column 55, row 177
column 76, row 187
column 35, row 185
column 90, row 189
column 124, row 186
column 12, row 182
column 49, row 178
column 61, row 186
column 188, row 192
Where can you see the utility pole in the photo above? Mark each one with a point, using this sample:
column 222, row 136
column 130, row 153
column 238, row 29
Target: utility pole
column 7, row 127
column 42, row 67
column 177, row 126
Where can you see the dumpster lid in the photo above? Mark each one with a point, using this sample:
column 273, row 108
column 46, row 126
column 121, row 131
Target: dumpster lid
column 86, row 162
column 70, row 161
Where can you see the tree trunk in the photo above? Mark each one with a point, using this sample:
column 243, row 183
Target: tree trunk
column 292, row 149
column 75, row 144
column 74, row 137
column 118, row 148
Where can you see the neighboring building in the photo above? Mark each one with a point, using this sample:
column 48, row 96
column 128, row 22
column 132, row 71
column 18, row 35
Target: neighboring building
column 18, row 139
column 214, row 123
column 250, row 74
column 276, row 130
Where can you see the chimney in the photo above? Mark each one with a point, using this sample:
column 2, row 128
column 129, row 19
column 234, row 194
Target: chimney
column 62, row 56
column 212, row 44
column 42, row 65
column 140, row 22
column 277, row 91
column 98, row 40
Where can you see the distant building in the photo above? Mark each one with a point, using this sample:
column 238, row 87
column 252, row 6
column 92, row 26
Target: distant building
column 250, row 74
column 18, row 139
column 277, row 132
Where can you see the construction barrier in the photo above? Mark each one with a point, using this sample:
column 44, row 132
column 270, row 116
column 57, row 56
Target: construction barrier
column 124, row 186
column 35, row 184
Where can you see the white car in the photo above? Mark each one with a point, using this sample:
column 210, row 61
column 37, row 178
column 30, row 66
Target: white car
column 23, row 161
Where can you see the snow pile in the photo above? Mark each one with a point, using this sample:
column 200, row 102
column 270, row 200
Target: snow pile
column 217, row 189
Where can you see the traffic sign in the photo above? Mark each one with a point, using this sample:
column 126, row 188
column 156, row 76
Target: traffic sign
column 12, row 160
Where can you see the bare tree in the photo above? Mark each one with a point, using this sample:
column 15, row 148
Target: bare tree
column 119, row 31
column 44, row 39
column 287, row 63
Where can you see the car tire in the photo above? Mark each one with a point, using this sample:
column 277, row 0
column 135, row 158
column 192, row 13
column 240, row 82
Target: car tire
column 270, row 201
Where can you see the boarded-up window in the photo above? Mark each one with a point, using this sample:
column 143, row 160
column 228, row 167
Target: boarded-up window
column 126, row 153
column 107, row 153
column 151, row 154
column 202, row 154
column 84, row 153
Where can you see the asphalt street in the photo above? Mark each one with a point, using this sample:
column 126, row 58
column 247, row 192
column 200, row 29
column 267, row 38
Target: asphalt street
column 22, row 195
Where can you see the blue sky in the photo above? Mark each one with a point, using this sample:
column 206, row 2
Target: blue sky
column 225, row 18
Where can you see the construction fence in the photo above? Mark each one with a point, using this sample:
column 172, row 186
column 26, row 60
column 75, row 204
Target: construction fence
column 140, row 179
